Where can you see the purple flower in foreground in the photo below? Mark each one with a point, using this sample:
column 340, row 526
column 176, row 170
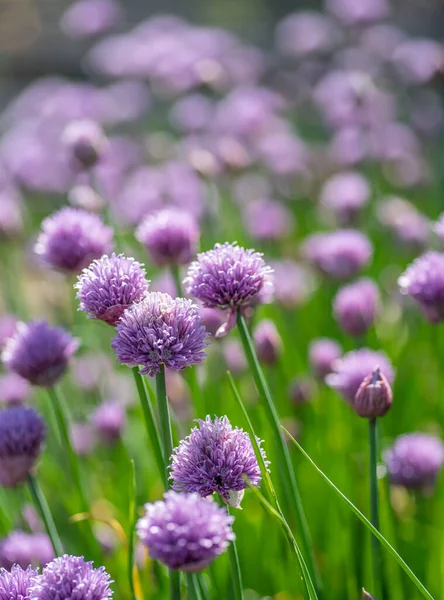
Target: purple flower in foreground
column 14, row 585
column 414, row 460
column 160, row 330
column 215, row 458
column 22, row 433
column 356, row 305
column 39, row 352
column 25, row 549
column 185, row 531
column 13, row 389
column 71, row 238
column 69, row 577
column 109, row 286
column 423, row 280
column 350, row 370
column 322, row 354
column 170, row 236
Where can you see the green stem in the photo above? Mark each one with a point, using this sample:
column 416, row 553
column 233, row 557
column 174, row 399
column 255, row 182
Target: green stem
column 150, row 424
column 45, row 512
column 174, row 585
column 177, row 281
column 193, row 588
column 291, row 489
column 374, row 508
column 235, row 569
column 132, row 528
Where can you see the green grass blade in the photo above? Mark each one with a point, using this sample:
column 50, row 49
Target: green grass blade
column 132, row 528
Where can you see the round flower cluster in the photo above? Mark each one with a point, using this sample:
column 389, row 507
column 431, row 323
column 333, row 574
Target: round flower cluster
column 424, row 282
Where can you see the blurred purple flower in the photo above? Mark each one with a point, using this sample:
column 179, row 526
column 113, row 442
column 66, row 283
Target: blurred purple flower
column 83, row 438
column 234, row 356
column 164, row 283
column 89, row 370
column 302, row 389
column 410, row 227
column 85, row 142
column 345, row 194
column 419, row 60
column 212, row 318
column 15, row 584
column 25, row 549
column 267, row 220
column 352, row 12
column 8, row 325
column 293, row 282
column 109, row 420
column 13, row 389
column 267, row 341
column 322, row 354
column 356, row 306
column 306, row 32
column 185, row 531
column 39, row 352
column 439, row 228
column 192, row 113
column 87, row 18
column 423, row 280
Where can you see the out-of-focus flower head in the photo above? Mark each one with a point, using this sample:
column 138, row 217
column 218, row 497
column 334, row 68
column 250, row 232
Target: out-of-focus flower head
column 89, row 370
column 25, row 549
column 356, row 306
column 419, row 60
column 410, row 227
column 83, row 437
column 234, row 356
column 345, row 194
column 322, row 354
column 192, row 113
column 22, row 433
column 15, row 584
column 71, row 238
column 267, row 341
column 212, row 318
column 415, row 460
column 109, row 420
column 85, row 141
column 301, row 390
column 13, row 389
column 350, row 370
column 39, row 352
column 87, row 18
column 293, row 282
column 267, row 219
column 352, row 12
column 185, row 531
column 306, row 32
column 423, row 280
column 8, row 325
column 160, row 330
column 109, row 286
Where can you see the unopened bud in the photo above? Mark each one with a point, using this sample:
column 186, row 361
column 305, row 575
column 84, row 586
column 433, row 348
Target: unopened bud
column 374, row 396
column 268, row 342
column 367, row 596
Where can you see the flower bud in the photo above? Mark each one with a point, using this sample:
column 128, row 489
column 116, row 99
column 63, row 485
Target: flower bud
column 374, row 396
column 367, row 596
column 268, row 342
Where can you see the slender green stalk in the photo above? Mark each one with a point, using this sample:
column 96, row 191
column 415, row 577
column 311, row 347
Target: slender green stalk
column 291, row 489
column 193, row 588
column 196, row 393
column 374, row 508
column 45, row 512
column 177, row 281
column 235, row 570
column 150, row 424
column 132, row 528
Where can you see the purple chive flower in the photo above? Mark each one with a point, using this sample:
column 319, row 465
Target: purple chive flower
column 414, row 460
column 39, row 352
column 85, row 142
column 374, row 396
column 25, row 549
column 356, row 306
column 170, row 236
column 350, row 371
column 267, row 220
column 234, row 356
column 423, row 280
column 268, row 342
column 215, row 458
column 340, row 254
column 293, row 283
column 410, row 227
column 86, row 18
column 68, row 577
column 109, row 286
column 345, row 194
column 71, row 238
column 83, row 437
column 109, row 421
column 13, row 389
column 185, row 531
column 160, row 330
column 322, row 354
column 15, row 584
column 301, row 390
column 22, row 433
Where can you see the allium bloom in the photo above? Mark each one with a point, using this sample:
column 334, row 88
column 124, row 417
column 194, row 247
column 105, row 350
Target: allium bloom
column 293, row 283
column 25, row 549
column 15, row 585
column 215, row 458
column 39, row 352
column 71, row 238
column 85, row 142
column 267, row 220
column 414, row 460
column 423, row 280
column 160, row 330
column 109, row 421
column 86, row 18
column 356, row 306
column 322, row 354
column 109, row 286
column 185, row 531
column 68, row 577
column 340, row 254
column 350, row 370
column 170, row 236
column 13, row 389
column 374, row 396
column 268, row 342
column 345, row 194
column 22, row 433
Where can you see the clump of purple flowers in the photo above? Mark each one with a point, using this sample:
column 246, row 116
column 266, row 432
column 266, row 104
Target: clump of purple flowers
column 423, row 280
column 15, row 584
column 160, row 330
column 25, row 549
column 215, row 458
column 185, row 531
column 68, row 577
column 71, row 238
column 39, row 352
column 356, row 305
column 109, row 286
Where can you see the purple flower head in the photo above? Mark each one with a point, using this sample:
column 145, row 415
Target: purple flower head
column 86, row 18
column 306, row 32
column 39, row 352
column 352, row 12
column 215, row 458
column 267, row 220
column 212, row 318
column 68, row 577
column 350, row 371
column 234, row 356
column 340, row 254
column 409, row 226
column 160, row 330
column 22, row 433
column 85, row 142
column 170, row 236
column 13, row 389
column 356, row 306
column 293, row 282
column 322, row 354
column 414, row 460
column 185, row 531
column 374, row 396
column 71, row 238
column 423, row 280
column 109, row 421
column 301, row 390
column 83, row 437
column 109, row 286
column 344, row 194
column 15, row 584
column 268, row 342
column 25, row 549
